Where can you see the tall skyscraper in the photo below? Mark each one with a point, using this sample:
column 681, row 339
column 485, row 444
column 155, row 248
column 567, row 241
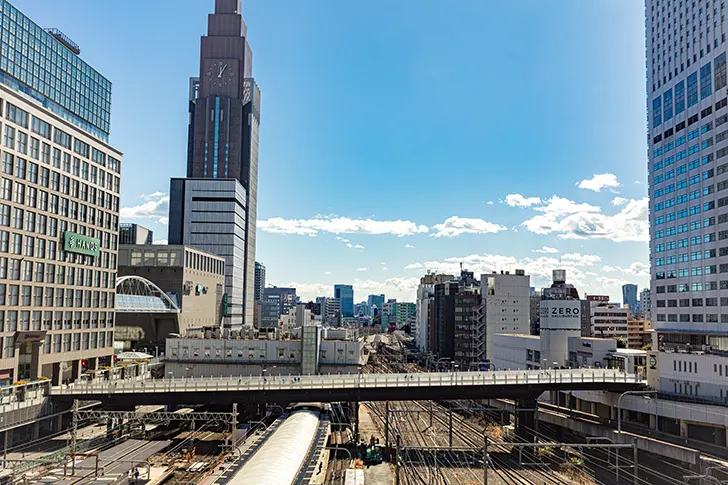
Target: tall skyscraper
column 629, row 298
column 345, row 293
column 687, row 132
column 375, row 300
column 223, row 143
column 259, row 281
column 55, row 113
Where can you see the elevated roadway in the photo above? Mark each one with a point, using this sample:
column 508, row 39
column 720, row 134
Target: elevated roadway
column 521, row 385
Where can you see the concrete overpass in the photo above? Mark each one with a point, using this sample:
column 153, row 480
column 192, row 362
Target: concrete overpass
column 223, row 391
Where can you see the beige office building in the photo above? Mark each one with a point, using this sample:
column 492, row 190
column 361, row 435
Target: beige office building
column 192, row 278
column 59, row 206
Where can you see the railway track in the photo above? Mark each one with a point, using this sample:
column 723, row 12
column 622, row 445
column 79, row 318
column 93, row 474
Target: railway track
column 420, row 428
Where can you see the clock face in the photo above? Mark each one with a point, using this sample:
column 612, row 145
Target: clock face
column 220, row 74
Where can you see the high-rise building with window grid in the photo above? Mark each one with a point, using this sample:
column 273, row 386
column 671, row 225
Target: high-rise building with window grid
column 224, row 119
column 687, row 105
column 59, row 206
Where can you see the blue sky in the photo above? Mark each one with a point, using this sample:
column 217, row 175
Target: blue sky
column 402, row 136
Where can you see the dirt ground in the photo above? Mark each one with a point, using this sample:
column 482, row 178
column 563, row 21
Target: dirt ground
column 382, row 474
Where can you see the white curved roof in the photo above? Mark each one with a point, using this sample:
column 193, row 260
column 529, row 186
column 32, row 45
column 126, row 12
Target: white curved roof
column 135, row 294
column 278, row 461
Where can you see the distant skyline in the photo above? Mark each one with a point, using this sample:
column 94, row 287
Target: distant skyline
column 397, row 139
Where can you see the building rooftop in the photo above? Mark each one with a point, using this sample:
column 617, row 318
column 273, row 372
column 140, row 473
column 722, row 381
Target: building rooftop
column 519, row 335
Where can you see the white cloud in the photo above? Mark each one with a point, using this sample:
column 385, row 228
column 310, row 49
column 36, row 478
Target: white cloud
column 546, row 249
column 581, row 259
column 637, row 268
column 339, row 238
column 358, row 246
column 414, row 266
column 490, row 202
column 340, row 225
column 619, row 201
column 327, row 272
column 638, row 182
column 309, row 291
column 570, row 220
column 362, row 269
column 517, row 200
column 156, row 210
column 384, row 268
column 560, row 206
column 160, row 241
column 599, row 182
column 455, row 226
column 154, row 195
column 409, row 246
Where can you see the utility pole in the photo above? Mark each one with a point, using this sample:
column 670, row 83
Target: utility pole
column 485, row 459
column 635, row 457
column 74, row 432
column 397, row 458
column 450, row 426
column 386, row 425
column 234, row 426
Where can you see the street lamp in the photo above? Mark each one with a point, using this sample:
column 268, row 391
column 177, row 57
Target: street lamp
column 619, row 405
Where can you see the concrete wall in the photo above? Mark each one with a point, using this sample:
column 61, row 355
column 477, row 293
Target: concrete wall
column 695, row 375
column 507, row 306
column 513, row 351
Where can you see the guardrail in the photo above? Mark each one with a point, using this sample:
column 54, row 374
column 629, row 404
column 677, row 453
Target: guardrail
column 351, row 381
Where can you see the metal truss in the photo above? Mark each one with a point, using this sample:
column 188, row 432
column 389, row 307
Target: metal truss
column 157, row 417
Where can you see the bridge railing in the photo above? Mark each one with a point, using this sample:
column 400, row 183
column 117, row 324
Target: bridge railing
column 352, row 381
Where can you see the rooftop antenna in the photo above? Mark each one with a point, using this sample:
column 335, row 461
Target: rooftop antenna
column 461, row 266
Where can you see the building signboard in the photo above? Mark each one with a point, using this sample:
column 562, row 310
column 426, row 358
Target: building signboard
column 560, row 314
column 76, row 243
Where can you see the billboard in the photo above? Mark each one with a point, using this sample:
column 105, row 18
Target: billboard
column 561, row 315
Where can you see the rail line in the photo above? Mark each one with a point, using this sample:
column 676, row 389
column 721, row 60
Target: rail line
column 427, row 425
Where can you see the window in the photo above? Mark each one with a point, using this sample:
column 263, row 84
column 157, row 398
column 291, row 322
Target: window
column 692, row 90
column 720, row 72
column 706, row 81
column 22, row 146
column 680, row 94
column 9, row 137
column 667, row 105
column 16, row 115
column 40, row 127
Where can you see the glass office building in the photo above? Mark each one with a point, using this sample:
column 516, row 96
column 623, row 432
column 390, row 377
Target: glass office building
column 345, row 293
column 44, row 64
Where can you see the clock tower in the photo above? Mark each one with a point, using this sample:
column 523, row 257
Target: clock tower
column 224, row 118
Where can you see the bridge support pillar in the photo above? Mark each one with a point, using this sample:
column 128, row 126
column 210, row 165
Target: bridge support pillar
column 526, row 419
column 683, row 428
